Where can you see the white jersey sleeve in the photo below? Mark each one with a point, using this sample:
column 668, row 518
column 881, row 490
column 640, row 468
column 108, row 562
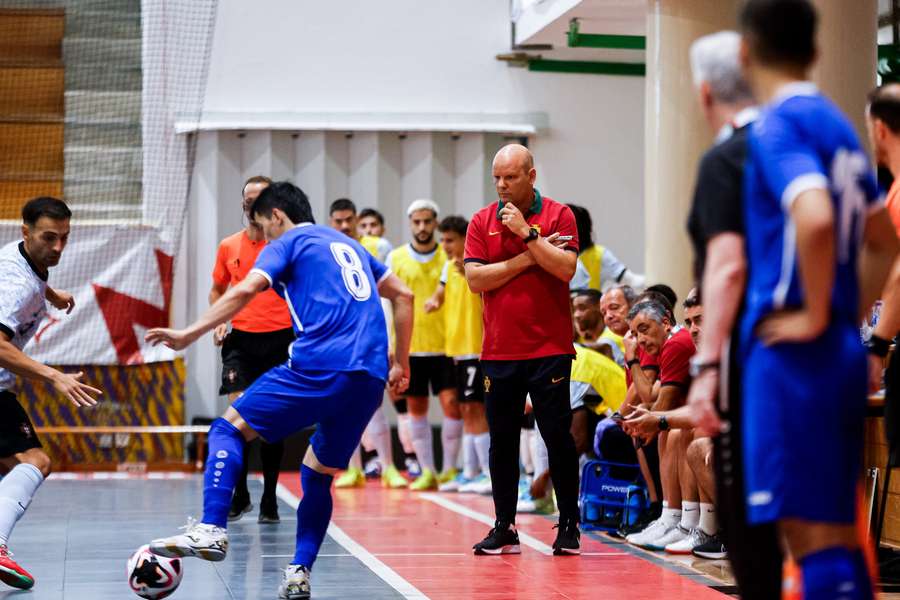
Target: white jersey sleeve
column 20, row 311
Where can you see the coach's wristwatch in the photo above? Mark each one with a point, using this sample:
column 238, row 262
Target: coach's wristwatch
column 663, row 423
column 533, row 234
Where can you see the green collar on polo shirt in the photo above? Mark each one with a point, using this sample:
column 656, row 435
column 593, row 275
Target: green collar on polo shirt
column 535, row 206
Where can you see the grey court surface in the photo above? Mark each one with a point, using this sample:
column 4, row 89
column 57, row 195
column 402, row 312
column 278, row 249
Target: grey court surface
column 78, row 535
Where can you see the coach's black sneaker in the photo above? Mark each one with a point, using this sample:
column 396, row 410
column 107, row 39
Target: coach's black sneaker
column 239, row 506
column 502, row 539
column 713, row 549
column 268, row 511
column 568, row 539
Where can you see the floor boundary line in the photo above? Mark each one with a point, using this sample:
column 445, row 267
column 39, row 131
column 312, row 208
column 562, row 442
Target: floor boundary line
column 660, row 560
column 528, row 540
column 384, row 572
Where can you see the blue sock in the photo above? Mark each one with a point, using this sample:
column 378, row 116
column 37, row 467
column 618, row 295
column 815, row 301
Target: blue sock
column 313, row 515
column 223, row 467
column 836, row 573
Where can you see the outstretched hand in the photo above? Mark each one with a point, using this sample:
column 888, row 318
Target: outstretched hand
column 78, row 393
column 176, row 339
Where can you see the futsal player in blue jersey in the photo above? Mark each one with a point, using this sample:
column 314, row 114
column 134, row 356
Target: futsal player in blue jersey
column 334, row 378
column 812, row 213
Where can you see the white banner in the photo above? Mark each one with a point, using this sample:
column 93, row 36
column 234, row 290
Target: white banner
column 121, row 277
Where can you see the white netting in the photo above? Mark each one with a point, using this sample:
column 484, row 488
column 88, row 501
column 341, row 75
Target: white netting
column 90, row 91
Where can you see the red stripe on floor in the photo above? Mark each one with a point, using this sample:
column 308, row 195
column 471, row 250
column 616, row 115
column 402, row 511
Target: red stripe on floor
column 396, row 521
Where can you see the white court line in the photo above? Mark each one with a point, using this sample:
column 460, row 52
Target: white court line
column 387, row 574
column 292, row 556
column 465, row 511
column 379, row 554
column 421, row 554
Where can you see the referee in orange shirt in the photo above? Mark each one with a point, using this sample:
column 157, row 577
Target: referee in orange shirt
column 514, row 259
column 259, row 339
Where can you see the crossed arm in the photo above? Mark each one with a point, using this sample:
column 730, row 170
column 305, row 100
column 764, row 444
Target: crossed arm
column 545, row 252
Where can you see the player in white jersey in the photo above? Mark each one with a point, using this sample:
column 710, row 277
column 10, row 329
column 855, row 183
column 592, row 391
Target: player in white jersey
column 24, row 293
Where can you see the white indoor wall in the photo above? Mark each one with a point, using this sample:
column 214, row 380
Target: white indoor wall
column 399, row 57
column 408, row 56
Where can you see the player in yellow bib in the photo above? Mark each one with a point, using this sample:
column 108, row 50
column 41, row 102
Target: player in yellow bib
column 463, row 338
column 377, row 436
column 419, row 265
column 598, row 268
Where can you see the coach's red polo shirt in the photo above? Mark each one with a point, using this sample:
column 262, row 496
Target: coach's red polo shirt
column 529, row 316
column 675, row 360
column 648, row 362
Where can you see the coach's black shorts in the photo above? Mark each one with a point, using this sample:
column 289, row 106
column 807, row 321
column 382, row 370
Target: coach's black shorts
column 469, row 380
column 438, row 371
column 16, row 431
column 246, row 356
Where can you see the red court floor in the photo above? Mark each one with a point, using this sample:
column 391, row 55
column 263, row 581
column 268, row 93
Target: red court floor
column 420, row 544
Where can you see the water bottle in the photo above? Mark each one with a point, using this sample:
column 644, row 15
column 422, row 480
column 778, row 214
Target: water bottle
column 635, row 502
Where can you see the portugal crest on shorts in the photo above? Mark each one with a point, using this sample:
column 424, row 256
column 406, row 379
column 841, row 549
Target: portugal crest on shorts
column 487, row 384
column 231, row 375
column 26, row 430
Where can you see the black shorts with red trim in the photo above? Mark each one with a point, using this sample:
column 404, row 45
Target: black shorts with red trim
column 16, row 430
column 247, row 355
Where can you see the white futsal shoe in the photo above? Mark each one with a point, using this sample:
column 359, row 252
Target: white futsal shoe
column 655, row 530
column 478, row 485
column 294, row 583
column 201, row 540
column 670, row 538
column 696, row 538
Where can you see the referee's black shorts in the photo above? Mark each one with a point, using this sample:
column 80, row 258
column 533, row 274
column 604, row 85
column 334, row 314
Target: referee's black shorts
column 16, row 431
column 246, row 356
column 754, row 551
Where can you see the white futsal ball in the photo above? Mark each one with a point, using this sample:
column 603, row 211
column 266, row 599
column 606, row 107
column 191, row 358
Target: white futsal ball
column 152, row 576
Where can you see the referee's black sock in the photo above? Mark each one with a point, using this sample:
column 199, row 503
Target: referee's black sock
column 271, row 463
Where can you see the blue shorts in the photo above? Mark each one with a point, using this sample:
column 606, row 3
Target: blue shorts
column 804, row 413
column 341, row 403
